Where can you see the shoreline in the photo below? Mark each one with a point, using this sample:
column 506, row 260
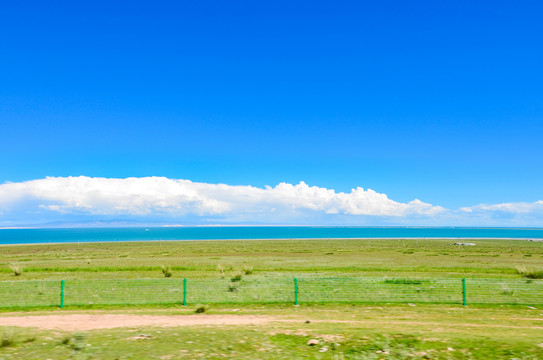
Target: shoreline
column 30, row 227
column 272, row 239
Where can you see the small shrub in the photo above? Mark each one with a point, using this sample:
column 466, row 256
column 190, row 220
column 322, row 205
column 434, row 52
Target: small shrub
column 232, row 287
column 41, row 289
column 17, row 269
column 247, row 270
column 201, row 309
column 31, row 338
column 221, row 270
column 66, row 340
column 535, row 274
column 78, row 342
column 167, row 271
column 8, row 338
column 237, row 277
column 530, row 273
column 506, row 290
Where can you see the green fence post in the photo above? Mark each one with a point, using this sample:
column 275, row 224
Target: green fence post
column 295, row 291
column 61, row 294
column 185, row 292
column 464, row 291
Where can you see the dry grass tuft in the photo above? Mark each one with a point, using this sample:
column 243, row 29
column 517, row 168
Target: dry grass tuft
column 530, row 273
column 17, row 269
column 167, row 271
column 247, row 270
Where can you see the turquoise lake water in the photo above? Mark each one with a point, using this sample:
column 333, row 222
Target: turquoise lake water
column 26, row 236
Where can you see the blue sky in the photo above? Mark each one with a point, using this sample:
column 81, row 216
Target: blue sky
column 436, row 101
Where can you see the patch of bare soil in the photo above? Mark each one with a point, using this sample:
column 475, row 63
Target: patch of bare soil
column 82, row 322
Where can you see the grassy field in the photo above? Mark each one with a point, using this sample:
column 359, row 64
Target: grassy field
column 197, row 259
column 344, row 331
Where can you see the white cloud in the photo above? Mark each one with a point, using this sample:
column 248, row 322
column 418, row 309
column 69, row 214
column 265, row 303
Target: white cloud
column 173, row 197
column 511, row 208
column 504, row 214
column 175, row 200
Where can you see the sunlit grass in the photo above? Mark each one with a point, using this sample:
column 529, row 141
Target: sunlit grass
column 410, row 258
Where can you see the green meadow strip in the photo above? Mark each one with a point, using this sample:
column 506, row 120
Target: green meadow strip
column 255, row 290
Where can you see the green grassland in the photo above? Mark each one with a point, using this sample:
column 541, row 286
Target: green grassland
column 197, row 259
column 342, row 332
column 349, row 330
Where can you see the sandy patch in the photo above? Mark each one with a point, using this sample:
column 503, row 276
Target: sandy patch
column 81, row 322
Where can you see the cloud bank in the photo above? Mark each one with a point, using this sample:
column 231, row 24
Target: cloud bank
column 183, row 201
column 511, row 208
column 177, row 198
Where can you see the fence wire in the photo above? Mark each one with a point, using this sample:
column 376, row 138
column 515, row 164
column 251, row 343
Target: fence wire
column 379, row 290
column 270, row 290
column 110, row 292
column 491, row 291
column 29, row 293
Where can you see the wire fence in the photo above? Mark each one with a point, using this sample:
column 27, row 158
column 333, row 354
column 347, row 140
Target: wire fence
column 270, row 290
